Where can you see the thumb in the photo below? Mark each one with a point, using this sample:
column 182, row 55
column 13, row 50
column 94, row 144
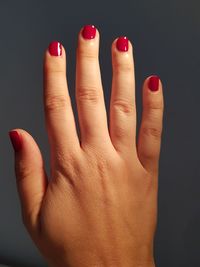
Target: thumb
column 31, row 177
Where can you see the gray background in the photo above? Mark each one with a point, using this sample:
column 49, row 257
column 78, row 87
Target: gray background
column 166, row 40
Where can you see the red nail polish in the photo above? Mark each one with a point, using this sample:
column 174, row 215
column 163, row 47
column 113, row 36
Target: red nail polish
column 89, row 32
column 55, row 48
column 153, row 83
column 15, row 140
column 122, row 44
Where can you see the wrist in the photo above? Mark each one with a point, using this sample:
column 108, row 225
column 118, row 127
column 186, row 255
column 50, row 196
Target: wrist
column 86, row 263
column 66, row 264
column 144, row 259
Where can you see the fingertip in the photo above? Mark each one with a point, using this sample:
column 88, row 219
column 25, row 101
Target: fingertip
column 54, row 59
column 55, row 49
column 21, row 132
column 16, row 139
column 153, row 93
column 88, row 32
column 18, row 136
column 153, row 84
column 23, row 142
column 54, row 54
column 88, row 42
column 125, row 46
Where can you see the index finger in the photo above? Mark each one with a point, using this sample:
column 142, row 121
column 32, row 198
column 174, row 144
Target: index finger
column 60, row 122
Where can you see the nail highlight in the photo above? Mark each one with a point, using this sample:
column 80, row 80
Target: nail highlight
column 153, row 83
column 15, row 140
column 55, row 48
column 122, row 43
column 89, row 32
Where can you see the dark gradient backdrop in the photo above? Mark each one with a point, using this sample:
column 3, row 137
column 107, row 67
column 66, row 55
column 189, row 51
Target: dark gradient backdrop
column 166, row 40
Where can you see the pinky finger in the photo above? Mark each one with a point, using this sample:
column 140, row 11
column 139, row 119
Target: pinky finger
column 149, row 139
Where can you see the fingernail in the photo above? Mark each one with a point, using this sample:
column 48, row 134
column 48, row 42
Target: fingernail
column 153, row 83
column 55, row 48
column 15, row 140
column 122, row 43
column 89, row 32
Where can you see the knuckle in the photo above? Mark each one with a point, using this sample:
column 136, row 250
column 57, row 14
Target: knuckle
column 154, row 105
column 88, row 93
column 102, row 167
column 85, row 53
column 152, row 131
column 65, row 161
column 120, row 131
column 120, row 66
column 22, row 172
column 69, row 166
column 55, row 102
column 52, row 67
column 56, row 71
column 124, row 106
column 100, row 159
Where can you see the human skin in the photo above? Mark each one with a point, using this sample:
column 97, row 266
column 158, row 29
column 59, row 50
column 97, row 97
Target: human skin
column 99, row 205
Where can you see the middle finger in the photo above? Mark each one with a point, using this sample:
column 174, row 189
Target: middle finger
column 89, row 92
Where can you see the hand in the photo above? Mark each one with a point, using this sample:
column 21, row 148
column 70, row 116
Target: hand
column 99, row 207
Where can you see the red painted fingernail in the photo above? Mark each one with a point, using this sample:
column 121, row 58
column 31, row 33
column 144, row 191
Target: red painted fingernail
column 153, row 83
column 122, row 43
column 15, row 140
column 89, row 32
column 55, row 48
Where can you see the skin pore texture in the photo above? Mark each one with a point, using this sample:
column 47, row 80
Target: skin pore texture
column 98, row 208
